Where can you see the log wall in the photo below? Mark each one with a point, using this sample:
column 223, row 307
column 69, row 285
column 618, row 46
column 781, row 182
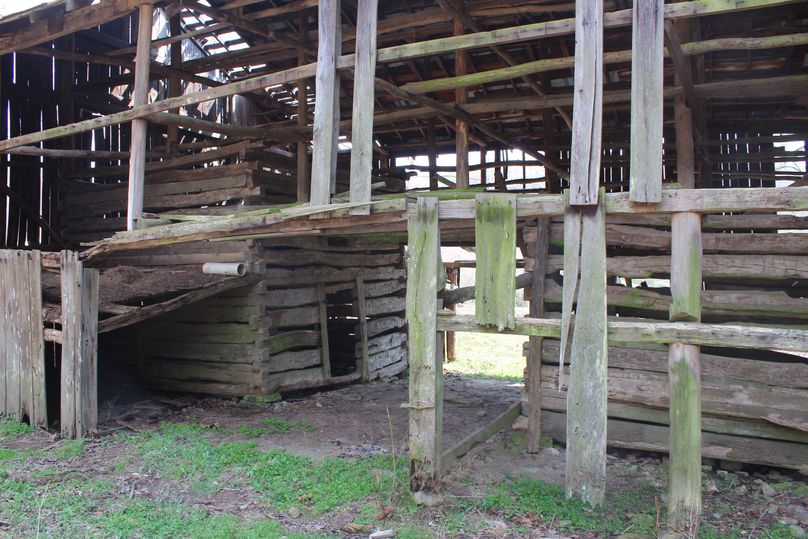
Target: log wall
column 753, row 402
column 268, row 338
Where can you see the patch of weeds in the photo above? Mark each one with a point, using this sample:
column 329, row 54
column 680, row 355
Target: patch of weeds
column 11, row 429
column 273, row 425
column 68, row 449
column 529, row 496
column 15, row 454
column 121, row 465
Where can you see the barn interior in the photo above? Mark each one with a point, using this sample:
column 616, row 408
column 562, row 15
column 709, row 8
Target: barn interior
column 292, row 147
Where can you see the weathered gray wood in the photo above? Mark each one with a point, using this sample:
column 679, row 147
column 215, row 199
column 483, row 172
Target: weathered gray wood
column 326, row 109
column 5, row 326
column 38, row 410
column 686, row 279
column 452, row 455
column 362, row 318
column 140, row 126
column 426, row 369
column 533, row 374
column 647, row 53
column 363, row 101
column 300, row 359
column 572, row 260
column 15, row 345
column 495, row 230
column 587, row 103
column 322, row 308
column 586, row 397
column 79, row 404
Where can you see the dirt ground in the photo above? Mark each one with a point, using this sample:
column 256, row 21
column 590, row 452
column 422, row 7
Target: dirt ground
column 367, row 420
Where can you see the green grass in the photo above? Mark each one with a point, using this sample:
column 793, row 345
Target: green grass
column 273, row 425
column 11, row 429
column 189, row 453
column 488, row 356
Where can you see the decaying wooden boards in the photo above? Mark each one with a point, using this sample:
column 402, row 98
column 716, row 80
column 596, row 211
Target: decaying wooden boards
column 79, row 393
column 495, row 232
column 22, row 358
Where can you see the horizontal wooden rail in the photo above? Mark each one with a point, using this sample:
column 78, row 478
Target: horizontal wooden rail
column 619, row 332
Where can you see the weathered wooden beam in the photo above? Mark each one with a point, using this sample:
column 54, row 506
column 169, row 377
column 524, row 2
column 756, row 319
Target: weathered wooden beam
column 621, row 332
column 587, row 109
column 426, row 364
column 326, row 109
column 495, row 233
column 363, row 101
column 140, row 126
column 587, row 393
column 461, row 97
column 303, row 162
column 79, row 392
column 362, row 320
column 647, row 80
column 533, row 373
column 452, row 455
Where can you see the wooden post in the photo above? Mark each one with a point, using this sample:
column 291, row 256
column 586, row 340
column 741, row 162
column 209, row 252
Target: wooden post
column 685, row 156
column 362, row 119
column 361, row 315
column 79, row 392
column 684, row 485
column 495, row 284
column 461, row 97
column 454, row 282
column 426, row 364
column 552, row 180
column 325, row 352
column 303, row 164
column 533, row 382
column 432, row 155
column 140, row 126
column 587, row 103
column 174, row 82
column 326, row 107
column 586, row 396
column 647, row 53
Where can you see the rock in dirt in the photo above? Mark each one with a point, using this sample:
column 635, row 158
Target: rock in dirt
column 293, row 512
column 767, row 490
column 795, row 511
column 427, row 499
column 384, row 534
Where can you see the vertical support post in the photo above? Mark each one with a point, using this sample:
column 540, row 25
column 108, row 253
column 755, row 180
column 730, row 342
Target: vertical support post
column 454, row 281
column 361, row 315
column 586, row 396
column 79, row 392
column 5, row 327
column 552, row 181
column 303, row 166
column 647, row 53
column 362, row 119
column 426, row 364
column 533, row 382
column 38, row 412
column 326, row 108
column 461, row 97
column 325, row 352
column 432, row 155
column 685, row 155
column 174, row 82
column 587, row 114
column 140, row 126
column 684, row 372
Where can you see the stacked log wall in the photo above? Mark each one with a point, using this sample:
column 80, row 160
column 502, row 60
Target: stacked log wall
column 266, row 338
column 755, row 272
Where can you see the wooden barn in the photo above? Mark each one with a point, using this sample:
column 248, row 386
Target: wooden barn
column 247, row 197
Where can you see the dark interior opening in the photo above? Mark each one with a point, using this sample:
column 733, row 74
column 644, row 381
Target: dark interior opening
column 343, row 335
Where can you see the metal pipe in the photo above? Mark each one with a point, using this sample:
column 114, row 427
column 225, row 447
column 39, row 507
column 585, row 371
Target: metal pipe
column 235, row 269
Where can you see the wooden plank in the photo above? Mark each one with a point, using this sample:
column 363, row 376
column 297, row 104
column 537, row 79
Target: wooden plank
column 363, row 101
column 461, row 97
column 362, row 318
column 686, row 261
column 15, row 348
column 573, row 223
column 533, row 373
column 622, row 332
column 300, row 338
column 38, row 411
column 5, row 326
column 322, row 307
column 586, row 397
column 495, row 231
column 452, row 455
column 587, row 106
column 79, row 408
column 140, row 126
column 326, row 109
column 299, row 359
column 647, row 53
column 426, row 369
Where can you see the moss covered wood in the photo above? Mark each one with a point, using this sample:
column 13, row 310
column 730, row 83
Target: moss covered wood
column 586, row 396
column 426, row 363
column 495, row 288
